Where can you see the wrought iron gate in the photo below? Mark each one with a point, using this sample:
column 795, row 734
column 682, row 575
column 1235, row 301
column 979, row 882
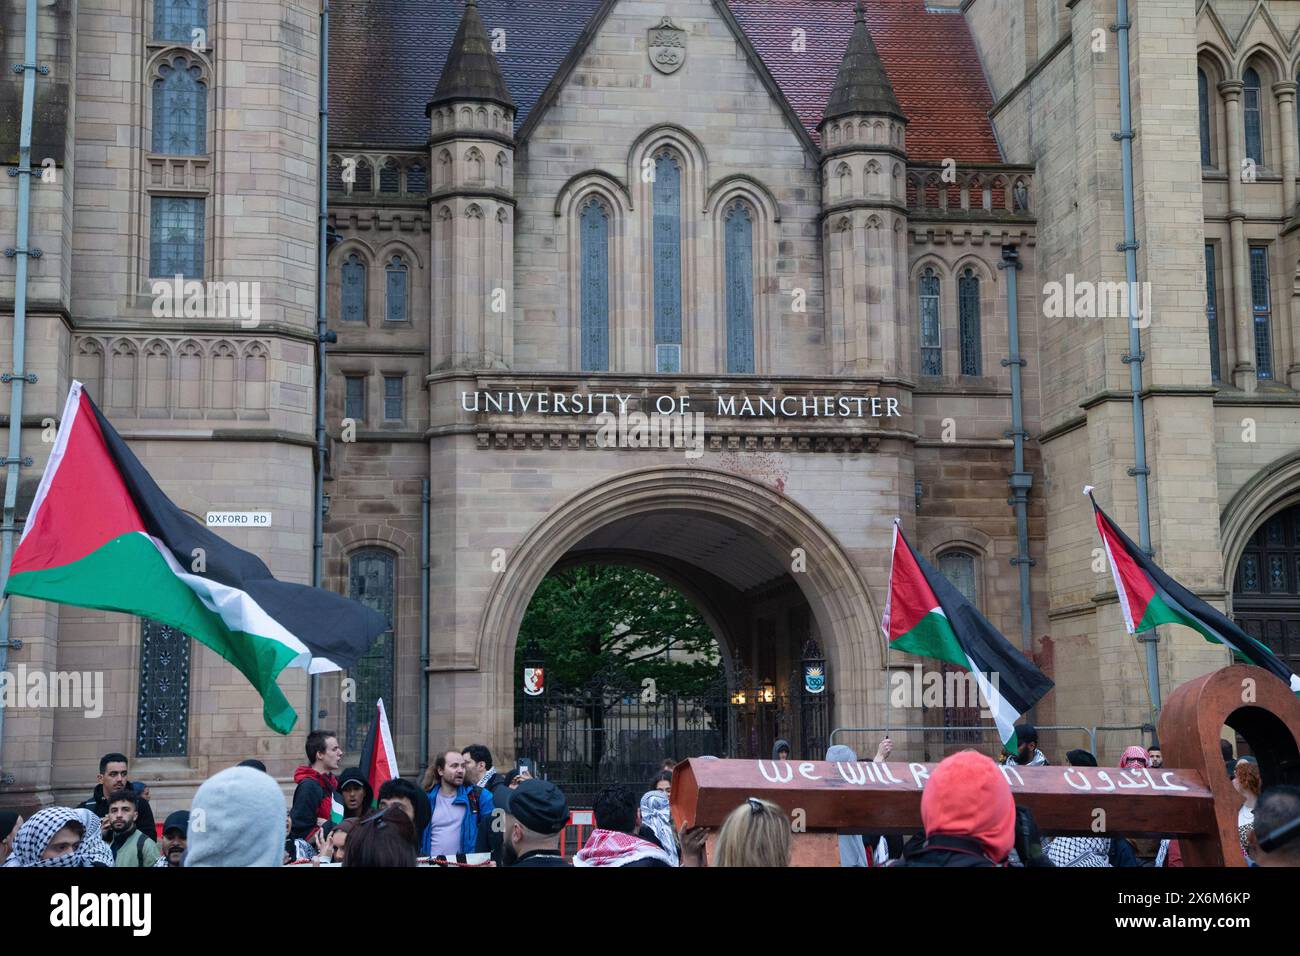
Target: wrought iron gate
column 617, row 730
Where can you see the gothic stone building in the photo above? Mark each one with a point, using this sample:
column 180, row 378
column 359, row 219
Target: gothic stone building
column 793, row 219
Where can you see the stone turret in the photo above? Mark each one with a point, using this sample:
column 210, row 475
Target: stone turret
column 864, row 198
column 472, row 205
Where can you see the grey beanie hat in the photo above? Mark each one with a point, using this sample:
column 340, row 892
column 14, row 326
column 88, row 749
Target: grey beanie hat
column 237, row 819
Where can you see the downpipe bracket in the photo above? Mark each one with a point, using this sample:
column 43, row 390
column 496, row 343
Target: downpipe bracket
column 14, row 172
column 29, row 378
column 42, row 69
column 15, row 643
column 1129, row 359
column 1008, row 362
column 10, row 252
column 23, row 462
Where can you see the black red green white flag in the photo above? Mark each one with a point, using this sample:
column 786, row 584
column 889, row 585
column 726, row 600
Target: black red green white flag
column 925, row 614
column 1149, row 597
column 101, row 534
column 378, row 756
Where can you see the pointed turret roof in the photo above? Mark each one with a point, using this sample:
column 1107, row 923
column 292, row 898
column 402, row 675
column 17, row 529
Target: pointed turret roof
column 471, row 71
column 862, row 86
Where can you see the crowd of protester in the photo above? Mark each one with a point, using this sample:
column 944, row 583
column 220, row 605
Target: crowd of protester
column 466, row 812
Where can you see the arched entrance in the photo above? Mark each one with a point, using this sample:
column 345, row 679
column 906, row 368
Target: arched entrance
column 707, row 527
column 1266, row 585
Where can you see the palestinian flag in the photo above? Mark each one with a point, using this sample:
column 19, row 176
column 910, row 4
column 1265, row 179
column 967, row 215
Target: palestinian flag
column 101, row 534
column 378, row 758
column 1150, row 597
column 926, row 615
column 336, row 810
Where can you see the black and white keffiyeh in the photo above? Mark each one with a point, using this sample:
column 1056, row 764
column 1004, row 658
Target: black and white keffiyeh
column 656, row 815
column 93, row 850
column 35, row 835
column 1079, row 851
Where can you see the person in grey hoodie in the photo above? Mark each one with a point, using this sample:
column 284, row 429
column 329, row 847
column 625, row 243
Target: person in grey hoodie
column 853, row 846
column 778, row 747
column 237, row 819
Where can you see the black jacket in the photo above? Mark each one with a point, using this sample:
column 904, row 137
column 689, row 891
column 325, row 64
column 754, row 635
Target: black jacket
column 98, row 805
column 542, row 858
column 944, row 850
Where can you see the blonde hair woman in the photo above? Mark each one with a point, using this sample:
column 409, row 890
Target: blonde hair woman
column 756, row 833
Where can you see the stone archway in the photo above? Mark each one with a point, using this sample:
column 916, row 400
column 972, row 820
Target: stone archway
column 846, row 618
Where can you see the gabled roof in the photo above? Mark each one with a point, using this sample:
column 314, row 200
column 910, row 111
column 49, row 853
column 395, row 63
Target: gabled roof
column 386, row 57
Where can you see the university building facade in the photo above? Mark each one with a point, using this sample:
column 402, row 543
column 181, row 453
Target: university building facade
column 799, row 221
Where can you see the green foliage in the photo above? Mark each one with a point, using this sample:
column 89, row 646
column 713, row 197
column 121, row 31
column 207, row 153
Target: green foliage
column 597, row 620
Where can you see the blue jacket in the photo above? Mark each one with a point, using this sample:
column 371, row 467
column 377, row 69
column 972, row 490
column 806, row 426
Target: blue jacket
column 474, row 827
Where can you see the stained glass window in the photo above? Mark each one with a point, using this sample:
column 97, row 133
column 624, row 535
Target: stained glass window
column 668, row 263
column 354, row 289
column 162, row 723
column 176, row 20
column 968, row 303
column 371, row 581
column 959, row 568
column 1203, row 95
column 928, row 293
column 1261, row 306
column 395, row 274
column 1250, row 107
column 354, row 401
column 593, row 226
column 394, row 398
column 180, row 110
column 740, row 288
column 175, row 237
column 1212, row 311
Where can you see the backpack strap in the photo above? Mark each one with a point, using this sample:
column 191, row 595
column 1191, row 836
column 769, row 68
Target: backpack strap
column 139, row 848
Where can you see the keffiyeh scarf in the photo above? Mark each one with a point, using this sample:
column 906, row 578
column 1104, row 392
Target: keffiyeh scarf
column 93, row 850
column 656, row 815
column 612, row 848
column 35, row 834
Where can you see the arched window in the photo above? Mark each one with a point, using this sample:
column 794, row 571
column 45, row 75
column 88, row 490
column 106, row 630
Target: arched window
column 395, row 274
column 175, row 237
column 176, row 20
column 390, row 177
column 593, row 227
column 1262, row 307
column 968, row 319
column 1203, row 95
column 417, row 180
column 1250, row 108
column 365, row 177
column 163, row 699
column 928, row 299
column 372, row 582
column 959, row 568
column 180, row 120
column 740, row 288
column 668, row 263
column 354, row 289
column 1212, row 312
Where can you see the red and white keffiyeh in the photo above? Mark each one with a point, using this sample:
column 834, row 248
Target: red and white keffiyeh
column 612, row 848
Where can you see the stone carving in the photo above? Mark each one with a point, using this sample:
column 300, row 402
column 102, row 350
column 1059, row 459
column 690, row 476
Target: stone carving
column 667, row 46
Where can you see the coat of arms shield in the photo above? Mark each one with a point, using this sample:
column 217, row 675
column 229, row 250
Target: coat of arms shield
column 534, row 681
column 667, row 46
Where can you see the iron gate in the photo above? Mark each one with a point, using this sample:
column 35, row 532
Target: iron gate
column 619, row 730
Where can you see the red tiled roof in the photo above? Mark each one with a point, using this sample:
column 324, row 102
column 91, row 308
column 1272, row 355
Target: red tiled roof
column 930, row 58
column 386, row 57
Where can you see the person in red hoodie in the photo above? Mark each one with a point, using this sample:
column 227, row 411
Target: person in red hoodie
column 316, row 784
column 968, row 814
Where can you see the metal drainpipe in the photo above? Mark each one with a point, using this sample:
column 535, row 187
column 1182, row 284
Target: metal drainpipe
column 19, row 377
column 1135, row 356
column 424, row 625
column 1021, row 480
column 323, row 335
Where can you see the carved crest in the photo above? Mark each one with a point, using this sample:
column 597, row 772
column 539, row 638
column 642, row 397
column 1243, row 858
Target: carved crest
column 667, row 46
